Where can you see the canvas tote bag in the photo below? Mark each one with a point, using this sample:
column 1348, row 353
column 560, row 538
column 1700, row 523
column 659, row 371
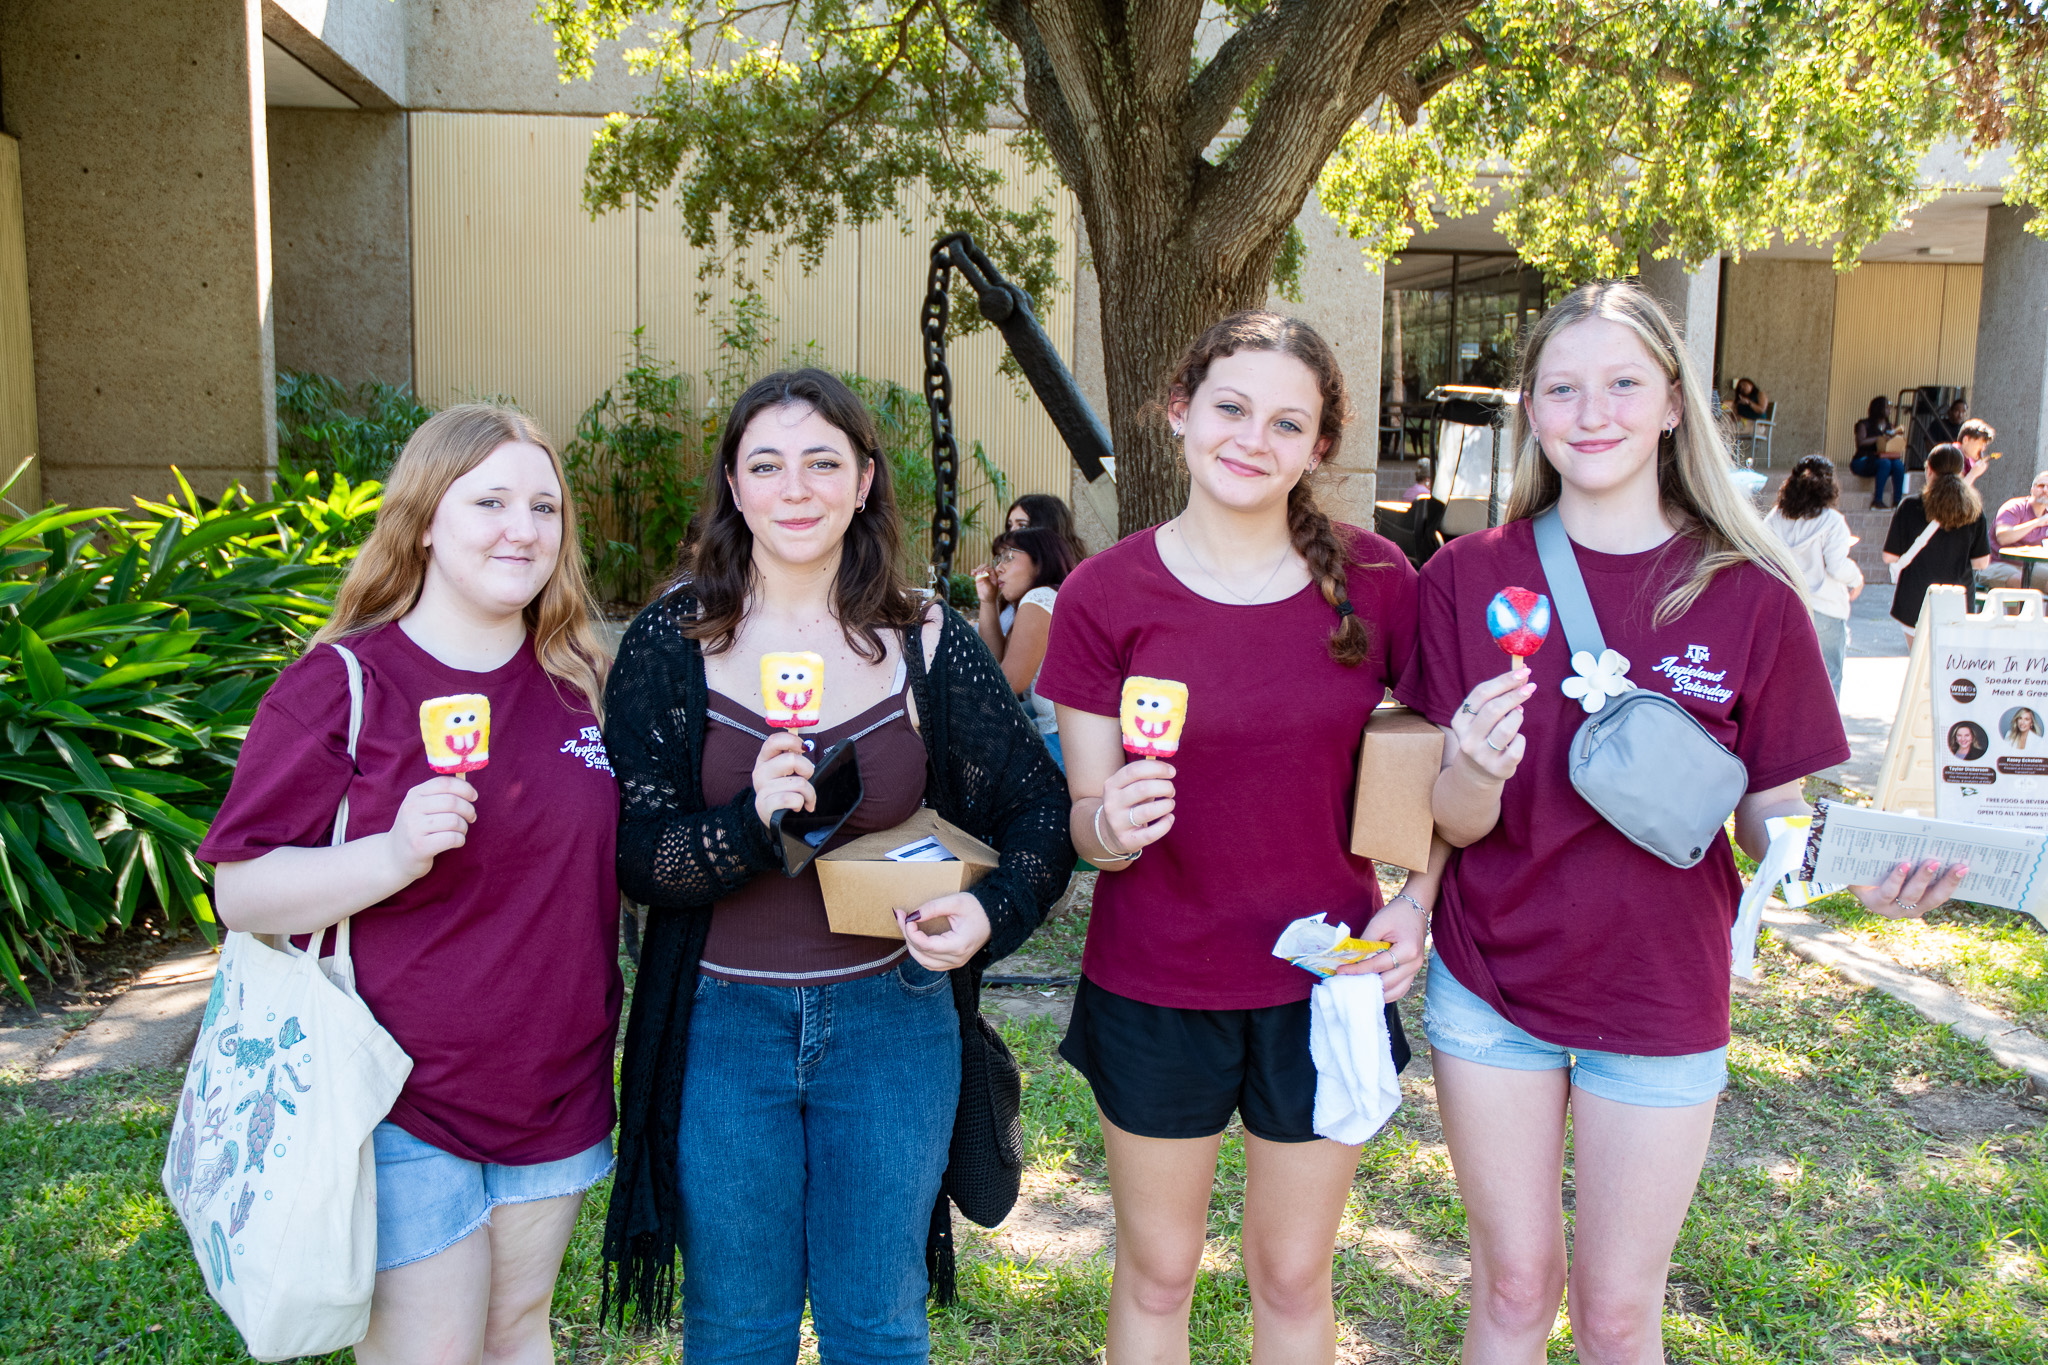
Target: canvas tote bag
column 271, row 1167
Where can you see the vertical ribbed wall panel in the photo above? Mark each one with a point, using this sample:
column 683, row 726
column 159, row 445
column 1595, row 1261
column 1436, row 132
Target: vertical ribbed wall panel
column 516, row 291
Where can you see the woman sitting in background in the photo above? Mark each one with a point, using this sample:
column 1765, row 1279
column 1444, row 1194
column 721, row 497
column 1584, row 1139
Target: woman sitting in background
column 1938, row 536
column 1751, row 402
column 1818, row 537
column 1028, row 568
column 1870, row 459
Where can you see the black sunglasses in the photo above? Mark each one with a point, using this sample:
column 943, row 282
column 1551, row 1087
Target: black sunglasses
column 802, row 834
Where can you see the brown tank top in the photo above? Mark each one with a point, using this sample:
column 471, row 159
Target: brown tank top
column 773, row 930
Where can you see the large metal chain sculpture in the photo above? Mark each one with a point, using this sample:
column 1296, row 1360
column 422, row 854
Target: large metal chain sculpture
column 1009, row 308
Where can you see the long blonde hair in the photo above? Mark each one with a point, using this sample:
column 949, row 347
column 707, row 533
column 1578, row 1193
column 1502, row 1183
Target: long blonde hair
column 385, row 580
column 1693, row 462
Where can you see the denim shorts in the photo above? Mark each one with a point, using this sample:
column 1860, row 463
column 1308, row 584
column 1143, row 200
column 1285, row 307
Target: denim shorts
column 428, row 1200
column 1466, row 1027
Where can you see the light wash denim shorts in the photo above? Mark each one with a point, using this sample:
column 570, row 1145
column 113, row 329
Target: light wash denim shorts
column 428, row 1199
column 1463, row 1025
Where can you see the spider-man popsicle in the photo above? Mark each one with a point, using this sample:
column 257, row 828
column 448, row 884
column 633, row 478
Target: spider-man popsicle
column 1518, row 620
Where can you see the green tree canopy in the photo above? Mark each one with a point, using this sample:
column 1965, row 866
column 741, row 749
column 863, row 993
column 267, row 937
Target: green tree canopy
column 1191, row 133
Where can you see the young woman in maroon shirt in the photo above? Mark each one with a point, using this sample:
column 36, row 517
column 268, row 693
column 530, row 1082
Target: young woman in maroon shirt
column 1575, row 973
column 1287, row 631
column 485, row 906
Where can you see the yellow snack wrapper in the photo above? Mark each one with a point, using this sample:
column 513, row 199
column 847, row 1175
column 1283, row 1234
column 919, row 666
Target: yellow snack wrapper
column 1316, row 946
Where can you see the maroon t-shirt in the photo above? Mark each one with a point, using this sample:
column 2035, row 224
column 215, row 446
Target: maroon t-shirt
column 1267, row 764
column 1555, row 918
column 497, row 972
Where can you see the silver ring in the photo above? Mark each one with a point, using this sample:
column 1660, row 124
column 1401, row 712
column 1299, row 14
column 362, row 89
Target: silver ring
column 1495, row 747
column 1132, row 816
column 1905, row 905
column 1467, row 709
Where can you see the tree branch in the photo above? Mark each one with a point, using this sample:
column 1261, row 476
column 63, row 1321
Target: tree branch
column 1218, row 89
column 1053, row 111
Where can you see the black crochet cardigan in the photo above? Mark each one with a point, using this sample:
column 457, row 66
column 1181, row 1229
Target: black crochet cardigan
column 986, row 771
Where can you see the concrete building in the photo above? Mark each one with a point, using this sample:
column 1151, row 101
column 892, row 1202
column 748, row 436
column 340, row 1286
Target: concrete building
column 193, row 197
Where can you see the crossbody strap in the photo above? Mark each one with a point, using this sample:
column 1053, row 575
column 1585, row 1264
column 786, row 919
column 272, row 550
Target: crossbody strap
column 1567, row 588
column 341, row 967
column 1899, row 565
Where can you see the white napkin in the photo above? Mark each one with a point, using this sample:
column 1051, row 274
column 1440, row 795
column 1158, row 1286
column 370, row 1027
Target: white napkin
column 1780, row 860
column 1357, row 1089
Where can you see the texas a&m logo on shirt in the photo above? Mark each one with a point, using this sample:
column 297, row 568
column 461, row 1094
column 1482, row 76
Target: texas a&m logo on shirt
column 1695, row 677
column 589, row 746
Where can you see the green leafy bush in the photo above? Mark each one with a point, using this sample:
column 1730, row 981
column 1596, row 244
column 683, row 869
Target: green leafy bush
column 636, row 469
column 133, row 651
column 325, row 426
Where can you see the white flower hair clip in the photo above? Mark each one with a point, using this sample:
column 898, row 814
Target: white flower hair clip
column 1598, row 679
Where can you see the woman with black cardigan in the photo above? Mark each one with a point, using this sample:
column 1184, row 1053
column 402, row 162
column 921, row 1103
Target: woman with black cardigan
column 788, row 1093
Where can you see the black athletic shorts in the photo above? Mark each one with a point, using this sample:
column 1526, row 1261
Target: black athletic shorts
column 1161, row 1072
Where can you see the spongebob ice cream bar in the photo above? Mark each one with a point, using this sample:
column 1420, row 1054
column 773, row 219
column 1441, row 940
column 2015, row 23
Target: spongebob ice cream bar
column 792, row 689
column 1152, row 714
column 457, row 732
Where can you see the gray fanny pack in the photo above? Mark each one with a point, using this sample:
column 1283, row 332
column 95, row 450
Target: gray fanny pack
column 1641, row 760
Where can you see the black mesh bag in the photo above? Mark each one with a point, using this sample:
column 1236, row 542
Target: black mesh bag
column 985, row 1161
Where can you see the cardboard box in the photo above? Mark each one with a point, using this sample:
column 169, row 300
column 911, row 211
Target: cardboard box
column 1397, row 767
column 864, row 889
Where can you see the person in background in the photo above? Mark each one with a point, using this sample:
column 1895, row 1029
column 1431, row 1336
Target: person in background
column 1948, row 427
column 1029, row 565
column 2022, row 521
column 1870, row 459
column 1420, row 488
column 459, row 886
column 1939, row 536
column 1974, row 437
column 1047, row 513
column 1751, row 402
column 1819, row 541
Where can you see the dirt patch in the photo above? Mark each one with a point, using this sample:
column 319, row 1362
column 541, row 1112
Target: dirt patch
column 1060, row 1216
column 1963, row 1115
column 88, row 984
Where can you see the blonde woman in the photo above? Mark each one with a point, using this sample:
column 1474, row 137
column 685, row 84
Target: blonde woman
column 1575, row 975
column 485, row 904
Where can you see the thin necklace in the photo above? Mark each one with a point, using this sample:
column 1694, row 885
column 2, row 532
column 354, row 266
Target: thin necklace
column 1215, row 578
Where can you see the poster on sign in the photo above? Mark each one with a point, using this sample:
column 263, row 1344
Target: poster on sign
column 1990, row 685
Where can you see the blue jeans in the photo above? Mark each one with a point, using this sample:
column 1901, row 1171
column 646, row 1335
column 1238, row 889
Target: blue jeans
column 1833, row 634
column 815, row 1122
column 1895, row 471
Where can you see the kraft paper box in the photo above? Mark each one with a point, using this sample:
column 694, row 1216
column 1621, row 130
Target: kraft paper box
column 863, row 889
column 1397, row 767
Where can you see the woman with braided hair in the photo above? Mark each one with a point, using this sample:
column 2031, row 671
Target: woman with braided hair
column 1287, row 630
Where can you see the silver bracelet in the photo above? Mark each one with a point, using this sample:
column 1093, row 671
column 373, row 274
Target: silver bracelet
column 1404, row 896
column 1113, row 857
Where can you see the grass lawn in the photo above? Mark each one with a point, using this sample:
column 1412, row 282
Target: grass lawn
column 1998, row 958
column 1875, row 1193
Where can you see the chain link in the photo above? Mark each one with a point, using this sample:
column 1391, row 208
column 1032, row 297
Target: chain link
column 938, row 396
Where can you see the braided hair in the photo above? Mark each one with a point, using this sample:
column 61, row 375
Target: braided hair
column 1328, row 548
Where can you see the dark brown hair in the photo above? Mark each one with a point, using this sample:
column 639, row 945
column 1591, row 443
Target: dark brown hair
column 1949, row 501
column 1048, row 513
column 1316, row 539
column 1054, row 557
column 1809, row 490
column 1978, row 428
column 869, row 592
